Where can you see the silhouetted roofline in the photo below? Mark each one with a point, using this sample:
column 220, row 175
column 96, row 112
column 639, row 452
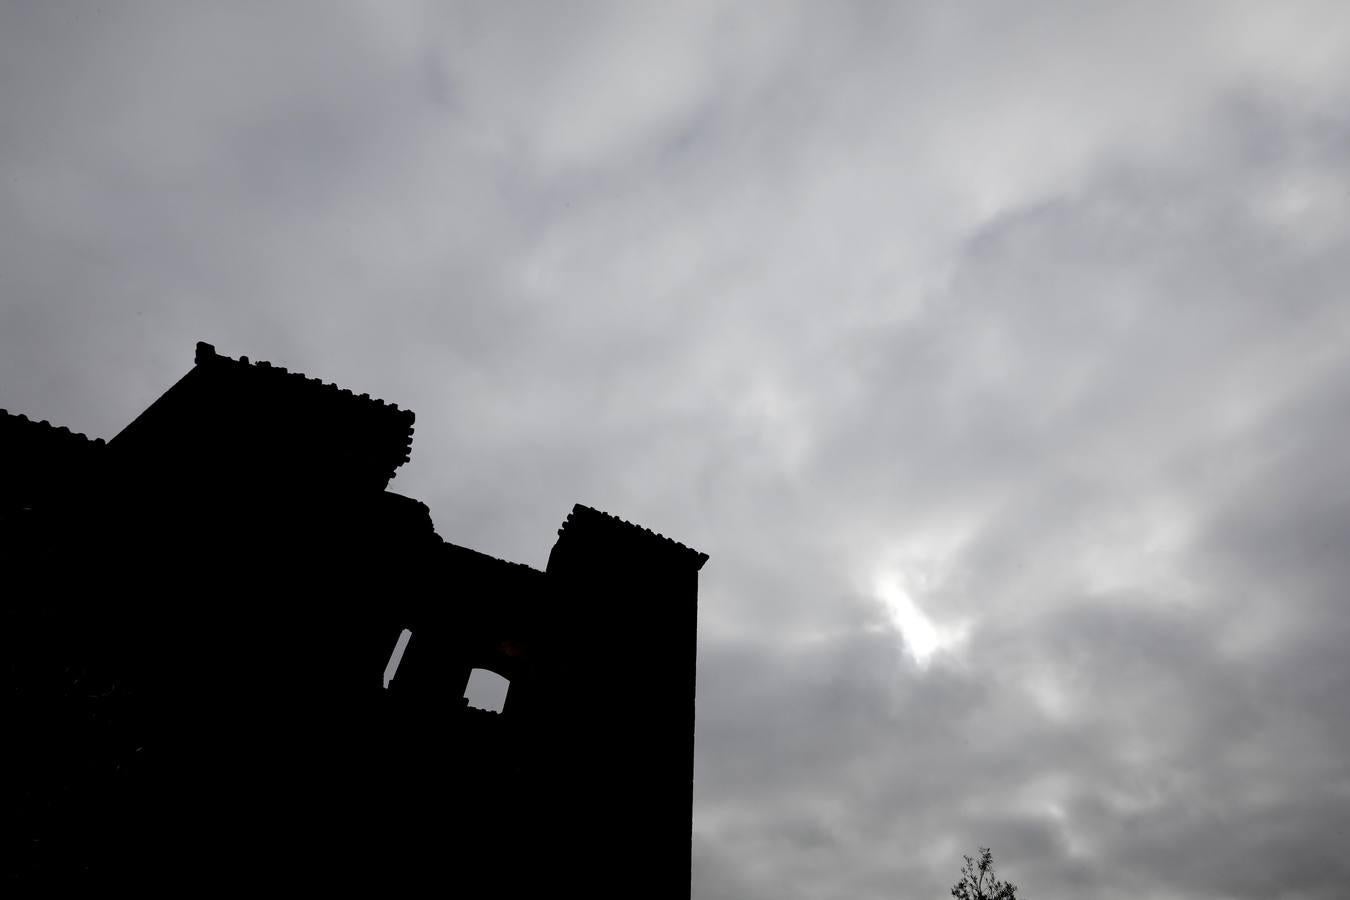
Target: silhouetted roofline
column 397, row 422
column 585, row 516
column 19, row 421
column 206, row 355
column 367, row 437
column 450, row 548
column 42, row 461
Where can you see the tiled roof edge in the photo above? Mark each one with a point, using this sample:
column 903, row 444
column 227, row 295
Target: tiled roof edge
column 580, row 512
column 63, row 431
column 206, row 355
column 518, row 566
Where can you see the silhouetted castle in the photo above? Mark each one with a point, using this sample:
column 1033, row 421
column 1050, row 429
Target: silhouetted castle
column 198, row 616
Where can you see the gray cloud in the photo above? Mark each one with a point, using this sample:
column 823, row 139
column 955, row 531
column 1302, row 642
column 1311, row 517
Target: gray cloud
column 1032, row 318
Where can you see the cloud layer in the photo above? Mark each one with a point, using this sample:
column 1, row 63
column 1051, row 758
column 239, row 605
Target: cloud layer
column 998, row 357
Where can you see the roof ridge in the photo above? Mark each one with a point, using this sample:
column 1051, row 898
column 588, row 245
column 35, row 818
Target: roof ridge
column 328, row 397
column 206, row 354
column 451, row 545
column 48, row 426
column 581, row 511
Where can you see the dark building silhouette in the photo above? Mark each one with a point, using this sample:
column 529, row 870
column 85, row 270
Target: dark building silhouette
column 198, row 617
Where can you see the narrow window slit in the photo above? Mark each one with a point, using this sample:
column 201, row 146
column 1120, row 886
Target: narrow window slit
column 396, row 657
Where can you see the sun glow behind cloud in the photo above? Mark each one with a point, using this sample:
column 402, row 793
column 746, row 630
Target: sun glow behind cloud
column 923, row 637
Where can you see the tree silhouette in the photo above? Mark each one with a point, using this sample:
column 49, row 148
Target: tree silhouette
column 978, row 881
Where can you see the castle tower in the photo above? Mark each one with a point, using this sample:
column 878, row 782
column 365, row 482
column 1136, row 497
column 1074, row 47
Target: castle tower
column 632, row 601
column 226, row 578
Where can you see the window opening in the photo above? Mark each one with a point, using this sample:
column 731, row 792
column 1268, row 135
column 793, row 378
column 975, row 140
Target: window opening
column 486, row 690
column 396, row 657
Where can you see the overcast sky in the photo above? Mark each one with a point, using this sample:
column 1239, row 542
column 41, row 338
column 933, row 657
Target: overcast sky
column 998, row 354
